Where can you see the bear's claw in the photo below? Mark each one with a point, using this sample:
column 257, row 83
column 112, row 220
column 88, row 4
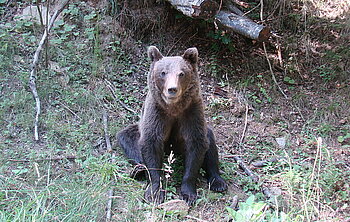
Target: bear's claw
column 217, row 184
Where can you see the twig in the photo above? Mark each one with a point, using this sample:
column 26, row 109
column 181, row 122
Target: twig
column 109, row 149
column 246, row 169
column 272, row 73
column 70, row 110
column 274, row 77
column 195, row 218
column 105, row 126
column 111, row 87
column 182, row 35
column 263, row 163
column 32, row 76
column 48, row 159
column 245, row 124
column 110, row 199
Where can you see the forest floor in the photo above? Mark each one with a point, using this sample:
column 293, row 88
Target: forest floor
column 282, row 107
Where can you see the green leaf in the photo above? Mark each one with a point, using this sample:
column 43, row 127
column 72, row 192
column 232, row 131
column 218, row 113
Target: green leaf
column 20, row 171
column 289, row 80
column 341, row 139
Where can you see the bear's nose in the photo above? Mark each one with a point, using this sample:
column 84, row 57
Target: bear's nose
column 172, row 91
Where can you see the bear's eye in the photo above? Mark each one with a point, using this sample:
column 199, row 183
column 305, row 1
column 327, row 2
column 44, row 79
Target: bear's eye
column 181, row 74
column 162, row 74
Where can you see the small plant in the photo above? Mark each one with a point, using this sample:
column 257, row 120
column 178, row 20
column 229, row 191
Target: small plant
column 325, row 72
column 343, row 138
column 289, row 80
column 168, row 169
column 222, row 37
column 250, row 210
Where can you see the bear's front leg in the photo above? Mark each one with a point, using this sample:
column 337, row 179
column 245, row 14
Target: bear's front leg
column 193, row 161
column 152, row 153
column 196, row 145
column 153, row 129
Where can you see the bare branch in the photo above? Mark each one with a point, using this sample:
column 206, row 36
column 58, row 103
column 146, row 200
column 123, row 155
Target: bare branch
column 243, row 26
column 32, row 76
column 196, row 8
column 234, row 19
column 245, row 124
column 246, row 169
column 109, row 149
column 48, row 159
column 105, row 127
column 112, row 89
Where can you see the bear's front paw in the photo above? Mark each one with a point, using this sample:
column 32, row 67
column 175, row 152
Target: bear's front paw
column 190, row 198
column 188, row 193
column 217, row 184
column 154, row 195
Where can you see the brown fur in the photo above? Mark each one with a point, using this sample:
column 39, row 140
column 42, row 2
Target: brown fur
column 173, row 119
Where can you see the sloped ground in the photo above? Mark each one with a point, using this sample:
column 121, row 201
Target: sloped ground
column 96, row 61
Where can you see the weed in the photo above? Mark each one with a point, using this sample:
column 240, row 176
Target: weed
column 343, row 138
column 224, row 38
column 252, row 210
column 289, row 80
column 325, row 129
column 325, row 72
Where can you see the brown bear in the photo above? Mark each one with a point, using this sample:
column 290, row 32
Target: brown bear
column 173, row 119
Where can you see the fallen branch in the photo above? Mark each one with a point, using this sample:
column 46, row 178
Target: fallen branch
column 32, row 76
column 243, row 26
column 245, row 124
column 105, row 127
column 196, row 8
column 195, row 218
column 49, row 159
column 110, row 199
column 111, row 88
column 263, row 163
column 109, row 149
column 246, row 169
column 231, row 19
column 70, row 110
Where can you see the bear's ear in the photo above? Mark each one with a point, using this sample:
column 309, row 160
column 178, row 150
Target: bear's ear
column 191, row 55
column 154, row 54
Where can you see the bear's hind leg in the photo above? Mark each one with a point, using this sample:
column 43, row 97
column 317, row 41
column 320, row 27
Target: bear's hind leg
column 211, row 166
column 128, row 140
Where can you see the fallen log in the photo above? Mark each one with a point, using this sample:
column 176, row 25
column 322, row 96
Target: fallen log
column 204, row 9
column 243, row 26
column 234, row 19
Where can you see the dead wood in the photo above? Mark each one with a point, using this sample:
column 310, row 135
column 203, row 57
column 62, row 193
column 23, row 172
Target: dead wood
column 112, row 89
column 49, row 159
column 234, row 19
column 263, row 163
column 246, row 169
column 245, row 124
column 105, row 127
column 243, row 25
column 109, row 149
column 204, row 9
column 32, row 77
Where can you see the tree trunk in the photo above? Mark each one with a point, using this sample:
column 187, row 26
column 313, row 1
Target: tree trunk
column 243, row 26
column 196, row 8
column 234, row 19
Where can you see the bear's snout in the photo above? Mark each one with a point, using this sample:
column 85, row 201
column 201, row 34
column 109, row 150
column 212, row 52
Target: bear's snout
column 171, row 94
column 172, row 91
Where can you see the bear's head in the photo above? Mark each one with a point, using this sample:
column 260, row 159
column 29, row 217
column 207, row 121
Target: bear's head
column 173, row 77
